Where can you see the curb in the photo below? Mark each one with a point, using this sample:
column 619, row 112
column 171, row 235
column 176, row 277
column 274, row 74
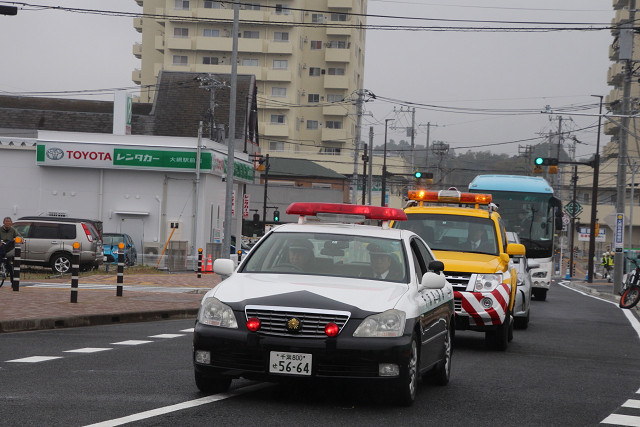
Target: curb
column 606, row 296
column 21, row 325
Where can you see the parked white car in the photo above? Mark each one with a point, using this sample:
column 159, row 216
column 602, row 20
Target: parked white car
column 522, row 306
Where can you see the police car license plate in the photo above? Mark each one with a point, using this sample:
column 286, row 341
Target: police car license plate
column 289, row 363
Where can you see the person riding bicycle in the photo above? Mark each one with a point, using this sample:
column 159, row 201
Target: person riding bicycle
column 8, row 235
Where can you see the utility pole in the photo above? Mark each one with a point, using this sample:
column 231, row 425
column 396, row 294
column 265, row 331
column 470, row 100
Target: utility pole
column 574, row 180
column 266, row 185
column 625, row 54
column 226, row 242
column 365, row 159
column 354, row 181
column 594, row 200
column 413, row 136
column 384, row 165
column 370, row 177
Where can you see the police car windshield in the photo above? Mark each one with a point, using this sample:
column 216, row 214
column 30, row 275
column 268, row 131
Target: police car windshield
column 453, row 232
column 325, row 254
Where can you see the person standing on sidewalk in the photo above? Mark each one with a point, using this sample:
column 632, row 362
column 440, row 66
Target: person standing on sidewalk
column 8, row 235
column 605, row 265
column 609, row 266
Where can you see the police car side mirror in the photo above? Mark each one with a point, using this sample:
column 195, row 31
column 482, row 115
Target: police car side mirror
column 223, row 266
column 432, row 280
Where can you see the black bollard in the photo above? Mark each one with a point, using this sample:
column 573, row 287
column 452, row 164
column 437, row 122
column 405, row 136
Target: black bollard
column 120, row 269
column 16, row 264
column 199, row 263
column 75, row 267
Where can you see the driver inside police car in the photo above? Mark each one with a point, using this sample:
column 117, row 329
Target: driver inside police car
column 301, row 254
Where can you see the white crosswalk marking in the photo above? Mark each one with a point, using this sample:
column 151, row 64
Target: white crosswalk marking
column 166, row 336
column 187, row 330
column 35, row 359
column 631, row 403
column 131, row 342
column 622, row 420
column 87, row 350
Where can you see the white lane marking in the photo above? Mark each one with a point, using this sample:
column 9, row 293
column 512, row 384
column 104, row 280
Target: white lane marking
column 131, row 342
column 166, row 336
column 35, row 359
column 631, row 403
column 622, row 420
column 87, row 350
column 635, row 324
column 179, row 406
column 187, row 330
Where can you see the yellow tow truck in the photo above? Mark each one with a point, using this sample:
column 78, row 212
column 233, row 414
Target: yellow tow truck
column 465, row 231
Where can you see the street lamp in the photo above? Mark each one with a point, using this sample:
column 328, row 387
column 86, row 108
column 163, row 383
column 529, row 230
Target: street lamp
column 384, row 165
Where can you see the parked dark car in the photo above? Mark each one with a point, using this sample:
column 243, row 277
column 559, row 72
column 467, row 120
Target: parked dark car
column 110, row 243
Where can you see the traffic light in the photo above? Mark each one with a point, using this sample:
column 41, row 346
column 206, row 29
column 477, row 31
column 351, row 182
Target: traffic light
column 553, row 170
column 276, row 216
column 256, row 220
column 423, row 178
column 417, row 174
column 545, row 161
column 597, row 229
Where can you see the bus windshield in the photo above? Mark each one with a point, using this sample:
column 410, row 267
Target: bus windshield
column 531, row 215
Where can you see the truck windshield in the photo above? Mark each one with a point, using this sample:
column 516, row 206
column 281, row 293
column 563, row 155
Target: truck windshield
column 453, row 232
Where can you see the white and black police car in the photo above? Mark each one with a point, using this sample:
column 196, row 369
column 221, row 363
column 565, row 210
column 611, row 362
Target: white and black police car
column 329, row 298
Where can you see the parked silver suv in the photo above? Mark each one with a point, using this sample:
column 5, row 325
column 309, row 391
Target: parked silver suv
column 49, row 241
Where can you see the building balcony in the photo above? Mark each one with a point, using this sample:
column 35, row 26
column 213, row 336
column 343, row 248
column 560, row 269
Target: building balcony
column 136, row 76
column 621, row 16
column 339, row 31
column 610, row 128
column 159, row 43
column 259, row 72
column 137, row 24
column 339, row 135
column 336, row 82
column 137, row 50
column 223, row 44
column 615, row 74
column 277, row 130
column 179, row 43
column 279, row 47
column 215, row 69
column 337, row 55
column 278, row 75
column 341, row 4
column 280, row 18
column 140, row 2
column 275, row 103
column 250, row 45
column 613, row 53
column 335, row 110
column 179, row 14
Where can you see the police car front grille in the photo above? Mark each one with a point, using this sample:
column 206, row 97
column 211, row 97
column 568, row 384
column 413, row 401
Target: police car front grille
column 459, row 281
column 274, row 320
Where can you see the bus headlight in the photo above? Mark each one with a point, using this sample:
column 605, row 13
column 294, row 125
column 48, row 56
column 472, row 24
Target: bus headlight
column 487, row 282
column 539, row 274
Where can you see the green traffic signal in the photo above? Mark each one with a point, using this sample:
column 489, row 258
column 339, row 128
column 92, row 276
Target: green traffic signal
column 417, row 174
column 539, row 160
column 276, row 216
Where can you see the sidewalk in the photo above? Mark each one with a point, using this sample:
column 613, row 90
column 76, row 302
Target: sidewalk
column 38, row 306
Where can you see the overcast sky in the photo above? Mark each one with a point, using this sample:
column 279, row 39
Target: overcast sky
column 51, row 50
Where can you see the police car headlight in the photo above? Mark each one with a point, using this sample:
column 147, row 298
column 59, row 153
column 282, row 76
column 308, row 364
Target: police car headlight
column 387, row 324
column 213, row 312
column 539, row 274
column 487, row 282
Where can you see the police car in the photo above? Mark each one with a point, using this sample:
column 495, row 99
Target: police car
column 329, row 298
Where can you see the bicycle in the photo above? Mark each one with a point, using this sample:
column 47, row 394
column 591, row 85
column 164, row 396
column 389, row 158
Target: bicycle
column 630, row 293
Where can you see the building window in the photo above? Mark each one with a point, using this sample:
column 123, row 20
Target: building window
column 335, row 71
column 208, row 32
column 282, row 10
column 312, row 124
column 251, row 7
column 277, row 119
column 585, row 197
column 249, row 62
column 339, row 17
column 337, row 44
column 180, row 32
column 280, row 64
column 317, row 18
column 276, row 146
column 181, row 4
column 313, row 97
column 251, row 34
column 316, row 44
column 334, row 124
column 212, row 4
column 281, row 36
column 331, row 151
column 279, row 92
column 314, row 71
column 331, row 97
column 180, row 60
column 210, row 60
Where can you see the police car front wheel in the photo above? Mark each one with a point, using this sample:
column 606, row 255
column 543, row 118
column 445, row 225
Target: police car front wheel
column 212, row 384
column 408, row 382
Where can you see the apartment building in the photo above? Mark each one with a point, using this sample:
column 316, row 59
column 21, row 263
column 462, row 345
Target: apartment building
column 307, row 56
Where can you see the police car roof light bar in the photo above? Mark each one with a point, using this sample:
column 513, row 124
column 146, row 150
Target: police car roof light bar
column 369, row 212
column 450, row 196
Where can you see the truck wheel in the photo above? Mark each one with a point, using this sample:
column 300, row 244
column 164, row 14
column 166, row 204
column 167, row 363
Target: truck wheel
column 499, row 338
column 212, row 384
column 540, row 294
column 522, row 322
column 61, row 263
column 408, row 381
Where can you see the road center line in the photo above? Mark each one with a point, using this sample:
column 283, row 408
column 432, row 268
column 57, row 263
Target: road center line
column 179, row 406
